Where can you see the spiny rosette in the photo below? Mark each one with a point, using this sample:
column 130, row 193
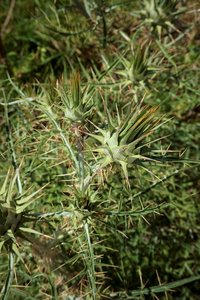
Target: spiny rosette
column 124, row 144
column 77, row 102
column 138, row 69
column 13, row 217
column 159, row 13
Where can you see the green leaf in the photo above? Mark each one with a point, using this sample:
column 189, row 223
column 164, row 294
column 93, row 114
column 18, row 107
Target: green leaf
column 53, row 287
column 135, row 213
column 166, row 54
column 156, row 289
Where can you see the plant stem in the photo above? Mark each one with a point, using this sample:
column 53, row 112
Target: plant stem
column 89, row 266
column 91, row 272
column 62, row 135
column 14, row 161
column 80, row 148
column 10, row 276
column 152, row 186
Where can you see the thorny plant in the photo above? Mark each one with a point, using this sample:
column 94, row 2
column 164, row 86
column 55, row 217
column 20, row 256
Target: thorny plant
column 67, row 118
column 159, row 14
column 123, row 141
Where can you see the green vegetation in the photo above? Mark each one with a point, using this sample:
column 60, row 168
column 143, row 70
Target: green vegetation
column 99, row 149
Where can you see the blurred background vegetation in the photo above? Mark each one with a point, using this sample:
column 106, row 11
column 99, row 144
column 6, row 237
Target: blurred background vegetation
column 124, row 50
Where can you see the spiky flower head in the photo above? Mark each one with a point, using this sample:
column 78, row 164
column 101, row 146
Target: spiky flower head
column 159, row 13
column 137, row 70
column 77, row 102
column 13, row 217
column 124, row 144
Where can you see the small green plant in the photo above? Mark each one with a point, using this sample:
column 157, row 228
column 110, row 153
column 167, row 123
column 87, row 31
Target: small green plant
column 124, row 143
column 76, row 103
column 138, row 70
column 13, row 217
column 159, row 14
column 13, row 220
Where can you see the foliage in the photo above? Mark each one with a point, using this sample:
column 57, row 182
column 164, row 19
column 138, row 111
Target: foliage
column 99, row 109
